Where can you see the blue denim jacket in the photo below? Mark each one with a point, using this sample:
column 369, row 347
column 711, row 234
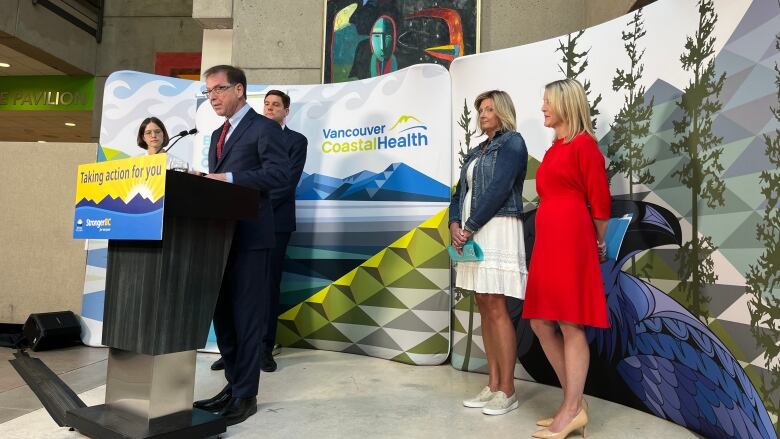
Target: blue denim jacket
column 497, row 181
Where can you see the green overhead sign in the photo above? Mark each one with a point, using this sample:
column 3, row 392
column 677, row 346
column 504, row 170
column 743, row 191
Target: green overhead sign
column 47, row 93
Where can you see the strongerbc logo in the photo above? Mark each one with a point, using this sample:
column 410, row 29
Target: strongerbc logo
column 407, row 131
column 103, row 225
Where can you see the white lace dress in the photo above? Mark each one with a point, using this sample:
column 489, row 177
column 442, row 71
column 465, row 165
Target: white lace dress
column 503, row 271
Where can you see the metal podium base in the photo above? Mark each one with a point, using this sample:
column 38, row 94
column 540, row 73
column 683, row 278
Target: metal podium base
column 103, row 421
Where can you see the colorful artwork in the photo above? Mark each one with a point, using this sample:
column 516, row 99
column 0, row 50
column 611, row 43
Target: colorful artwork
column 367, row 38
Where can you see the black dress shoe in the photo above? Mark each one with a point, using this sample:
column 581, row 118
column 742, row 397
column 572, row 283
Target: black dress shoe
column 267, row 362
column 219, row 364
column 238, row 409
column 215, row 403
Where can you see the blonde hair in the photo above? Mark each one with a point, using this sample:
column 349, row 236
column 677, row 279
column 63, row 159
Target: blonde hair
column 505, row 109
column 566, row 97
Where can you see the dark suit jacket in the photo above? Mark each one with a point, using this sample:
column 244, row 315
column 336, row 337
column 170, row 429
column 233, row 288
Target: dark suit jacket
column 283, row 198
column 256, row 156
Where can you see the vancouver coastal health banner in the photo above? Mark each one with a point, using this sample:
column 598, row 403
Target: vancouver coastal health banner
column 367, row 270
column 693, row 301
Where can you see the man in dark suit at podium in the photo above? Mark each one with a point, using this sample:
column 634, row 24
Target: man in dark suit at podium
column 246, row 150
column 276, row 106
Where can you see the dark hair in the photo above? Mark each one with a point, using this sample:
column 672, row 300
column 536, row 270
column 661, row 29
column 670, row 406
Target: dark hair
column 234, row 74
column 142, row 128
column 281, row 94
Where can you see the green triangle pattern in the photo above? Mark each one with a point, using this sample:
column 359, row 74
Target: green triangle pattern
column 387, row 285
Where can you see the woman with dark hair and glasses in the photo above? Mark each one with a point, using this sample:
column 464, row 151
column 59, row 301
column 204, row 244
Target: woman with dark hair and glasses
column 152, row 135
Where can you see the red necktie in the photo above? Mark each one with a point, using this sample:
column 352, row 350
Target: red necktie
column 221, row 141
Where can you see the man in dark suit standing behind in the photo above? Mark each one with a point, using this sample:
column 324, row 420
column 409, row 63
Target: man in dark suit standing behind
column 247, row 150
column 276, row 106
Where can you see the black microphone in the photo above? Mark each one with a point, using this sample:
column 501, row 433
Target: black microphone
column 180, row 136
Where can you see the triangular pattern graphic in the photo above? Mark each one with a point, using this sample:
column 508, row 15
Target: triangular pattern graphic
column 391, row 306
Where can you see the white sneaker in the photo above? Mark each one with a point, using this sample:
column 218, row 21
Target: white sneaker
column 500, row 404
column 480, row 400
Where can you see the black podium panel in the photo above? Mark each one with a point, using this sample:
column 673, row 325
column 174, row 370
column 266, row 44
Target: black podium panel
column 160, row 295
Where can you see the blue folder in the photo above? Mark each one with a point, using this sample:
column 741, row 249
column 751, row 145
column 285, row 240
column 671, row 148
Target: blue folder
column 616, row 231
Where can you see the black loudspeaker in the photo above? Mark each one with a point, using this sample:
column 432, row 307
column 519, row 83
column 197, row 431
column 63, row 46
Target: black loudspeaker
column 52, row 330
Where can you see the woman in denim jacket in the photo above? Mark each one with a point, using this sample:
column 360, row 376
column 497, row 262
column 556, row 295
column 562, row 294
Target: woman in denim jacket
column 487, row 206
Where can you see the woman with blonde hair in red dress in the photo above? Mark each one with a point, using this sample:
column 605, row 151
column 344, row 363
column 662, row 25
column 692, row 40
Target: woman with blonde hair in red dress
column 565, row 288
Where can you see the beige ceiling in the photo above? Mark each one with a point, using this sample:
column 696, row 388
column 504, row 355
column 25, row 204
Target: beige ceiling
column 32, row 126
column 23, row 65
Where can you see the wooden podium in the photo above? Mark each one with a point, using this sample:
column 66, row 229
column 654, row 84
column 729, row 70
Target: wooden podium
column 159, row 301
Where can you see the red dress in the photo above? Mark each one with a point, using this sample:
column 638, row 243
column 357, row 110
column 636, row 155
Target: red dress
column 564, row 278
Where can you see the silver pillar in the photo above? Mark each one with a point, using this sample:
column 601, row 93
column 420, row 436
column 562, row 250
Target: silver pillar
column 150, row 386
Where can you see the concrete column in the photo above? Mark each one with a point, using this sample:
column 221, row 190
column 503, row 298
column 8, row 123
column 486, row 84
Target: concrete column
column 213, row 14
column 217, row 48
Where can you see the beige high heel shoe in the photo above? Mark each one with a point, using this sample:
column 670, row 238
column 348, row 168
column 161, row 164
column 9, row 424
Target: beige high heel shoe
column 579, row 422
column 546, row 422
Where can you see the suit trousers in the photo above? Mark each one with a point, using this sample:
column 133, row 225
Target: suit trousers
column 275, row 291
column 239, row 318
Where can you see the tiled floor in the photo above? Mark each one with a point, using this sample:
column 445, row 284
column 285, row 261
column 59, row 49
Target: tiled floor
column 320, row 394
column 80, row 367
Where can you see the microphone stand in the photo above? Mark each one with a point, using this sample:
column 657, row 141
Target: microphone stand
column 179, row 136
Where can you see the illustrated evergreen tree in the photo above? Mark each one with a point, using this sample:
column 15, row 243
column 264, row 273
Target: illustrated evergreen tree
column 460, row 294
column 465, row 123
column 701, row 151
column 574, row 65
column 763, row 277
column 632, row 123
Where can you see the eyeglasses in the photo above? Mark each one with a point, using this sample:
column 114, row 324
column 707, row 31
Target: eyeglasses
column 155, row 132
column 218, row 90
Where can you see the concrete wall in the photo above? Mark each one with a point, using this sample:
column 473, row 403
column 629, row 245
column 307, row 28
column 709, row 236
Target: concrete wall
column 42, row 267
column 508, row 23
column 280, row 41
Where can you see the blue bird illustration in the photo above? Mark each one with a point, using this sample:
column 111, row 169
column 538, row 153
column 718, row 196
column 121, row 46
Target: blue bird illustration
column 656, row 356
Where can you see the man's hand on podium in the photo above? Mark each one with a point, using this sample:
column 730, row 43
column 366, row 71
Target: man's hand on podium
column 220, row 177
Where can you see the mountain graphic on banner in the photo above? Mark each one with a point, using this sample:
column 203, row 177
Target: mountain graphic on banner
column 399, row 182
column 138, row 204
